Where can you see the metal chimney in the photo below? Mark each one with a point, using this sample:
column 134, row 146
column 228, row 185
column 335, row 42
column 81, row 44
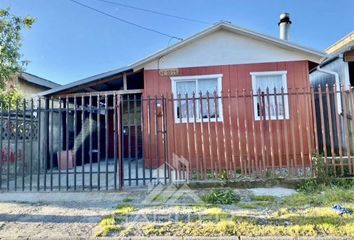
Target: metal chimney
column 284, row 26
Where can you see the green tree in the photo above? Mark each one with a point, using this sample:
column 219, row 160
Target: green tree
column 11, row 62
column 11, row 98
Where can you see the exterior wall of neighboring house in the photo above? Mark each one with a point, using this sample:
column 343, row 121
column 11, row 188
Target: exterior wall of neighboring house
column 238, row 77
column 28, row 89
column 320, row 79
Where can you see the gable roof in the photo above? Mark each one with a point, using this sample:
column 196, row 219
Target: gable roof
column 237, row 30
column 28, row 77
column 311, row 53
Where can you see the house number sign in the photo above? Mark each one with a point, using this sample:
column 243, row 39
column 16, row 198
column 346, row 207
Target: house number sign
column 168, row 72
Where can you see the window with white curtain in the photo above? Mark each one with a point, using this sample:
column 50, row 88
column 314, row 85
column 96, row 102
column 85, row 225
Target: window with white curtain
column 268, row 100
column 185, row 86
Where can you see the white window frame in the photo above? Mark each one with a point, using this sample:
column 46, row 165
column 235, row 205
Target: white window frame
column 197, row 78
column 285, row 91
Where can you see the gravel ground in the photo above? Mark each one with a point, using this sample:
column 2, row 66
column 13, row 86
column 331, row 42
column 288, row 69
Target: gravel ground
column 55, row 215
column 59, row 215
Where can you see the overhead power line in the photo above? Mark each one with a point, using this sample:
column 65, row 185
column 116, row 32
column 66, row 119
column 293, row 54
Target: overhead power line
column 125, row 21
column 155, row 12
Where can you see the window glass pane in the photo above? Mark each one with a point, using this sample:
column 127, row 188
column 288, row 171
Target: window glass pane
column 207, row 85
column 210, row 86
column 266, row 107
column 270, row 82
column 183, row 88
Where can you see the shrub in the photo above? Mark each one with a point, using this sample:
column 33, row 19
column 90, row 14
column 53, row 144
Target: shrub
column 221, row 196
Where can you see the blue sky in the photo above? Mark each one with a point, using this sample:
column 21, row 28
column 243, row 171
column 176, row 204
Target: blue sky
column 69, row 42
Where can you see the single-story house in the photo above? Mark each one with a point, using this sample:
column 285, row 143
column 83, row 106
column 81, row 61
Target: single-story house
column 222, row 58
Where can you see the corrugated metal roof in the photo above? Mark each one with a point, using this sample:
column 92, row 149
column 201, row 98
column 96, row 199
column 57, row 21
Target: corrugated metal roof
column 38, row 80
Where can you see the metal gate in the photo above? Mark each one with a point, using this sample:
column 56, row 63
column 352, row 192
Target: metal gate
column 83, row 142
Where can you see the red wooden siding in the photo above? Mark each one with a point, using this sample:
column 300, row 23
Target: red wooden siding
column 217, row 138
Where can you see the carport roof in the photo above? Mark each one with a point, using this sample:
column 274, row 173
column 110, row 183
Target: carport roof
column 85, row 81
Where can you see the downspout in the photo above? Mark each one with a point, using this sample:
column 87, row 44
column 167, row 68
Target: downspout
column 338, row 86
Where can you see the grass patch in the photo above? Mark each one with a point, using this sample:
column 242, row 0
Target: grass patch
column 220, row 196
column 328, row 197
column 215, row 212
column 124, row 209
column 244, row 228
column 257, row 202
column 108, row 225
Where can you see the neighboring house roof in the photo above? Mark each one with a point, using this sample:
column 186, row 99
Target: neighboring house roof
column 332, row 57
column 345, row 42
column 38, row 80
column 311, row 53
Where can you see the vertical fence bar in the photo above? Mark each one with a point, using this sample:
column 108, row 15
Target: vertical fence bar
column 164, row 136
column 67, row 141
column 142, row 131
column 180, row 113
column 351, row 163
column 60, row 141
column 98, row 117
column 345, row 125
column 31, row 145
column 188, row 133
column 248, row 165
column 237, row 105
column 216, row 113
column 129, row 142
column 285, row 127
column 203, row 165
column 90, row 136
column 115, row 123
column 224, row 136
column 260, row 97
column 277, row 126
column 149, row 134
column 323, row 129
column 195, row 135
column 74, row 143
column 1, row 140
column 314, row 115
column 17, row 132
column 136, row 142
column 8, row 146
column 83, row 142
column 106, row 137
column 338, row 127
column 270, row 131
column 329, row 115
column 256, row 165
column 211, row 160
column 120, row 138
column 51, row 142
column 174, row 148
column 24, row 144
column 293, row 125
column 233, row 168
column 157, row 137
column 39, row 144
column 307, row 97
column 299, row 122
